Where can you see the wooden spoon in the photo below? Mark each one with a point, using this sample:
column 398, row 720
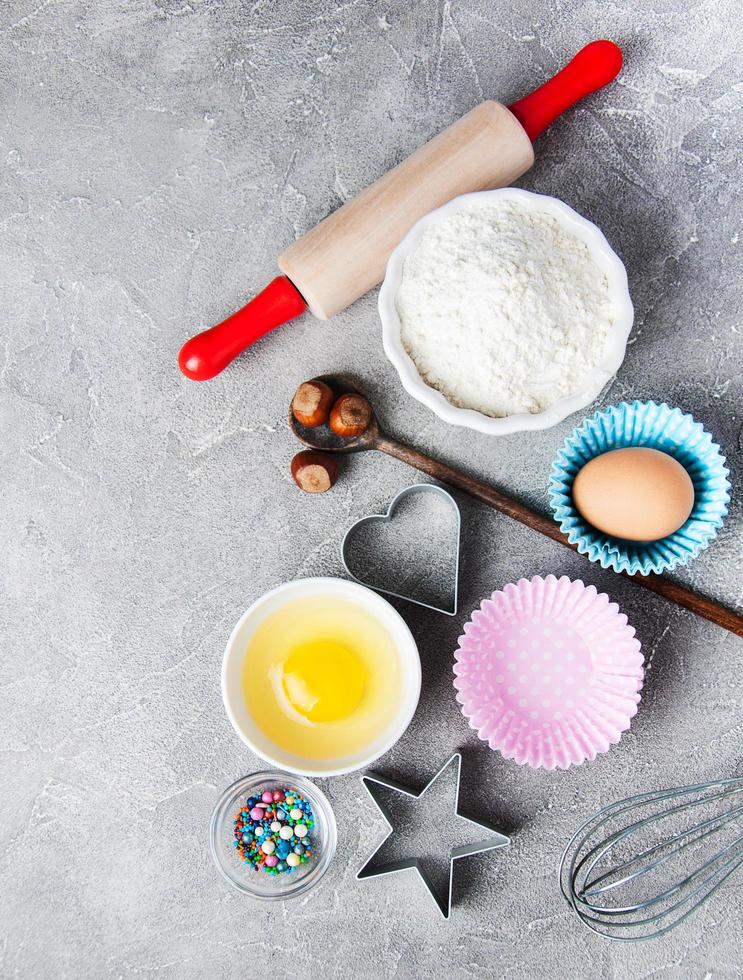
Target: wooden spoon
column 374, row 437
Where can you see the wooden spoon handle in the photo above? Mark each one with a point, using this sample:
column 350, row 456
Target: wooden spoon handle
column 672, row 591
column 475, row 488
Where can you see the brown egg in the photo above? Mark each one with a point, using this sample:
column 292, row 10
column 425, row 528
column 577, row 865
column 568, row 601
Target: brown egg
column 637, row 494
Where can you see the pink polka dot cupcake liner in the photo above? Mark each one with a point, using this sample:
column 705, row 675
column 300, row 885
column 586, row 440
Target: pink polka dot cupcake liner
column 549, row 672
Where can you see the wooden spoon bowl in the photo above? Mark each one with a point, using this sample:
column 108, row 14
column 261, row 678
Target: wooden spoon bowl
column 322, row 437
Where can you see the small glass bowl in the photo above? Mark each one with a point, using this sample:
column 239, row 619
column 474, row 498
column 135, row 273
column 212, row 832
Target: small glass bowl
column 256, row 882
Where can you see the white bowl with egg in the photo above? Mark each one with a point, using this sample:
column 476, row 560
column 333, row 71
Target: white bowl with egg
column 583, row 250
column 253, row 679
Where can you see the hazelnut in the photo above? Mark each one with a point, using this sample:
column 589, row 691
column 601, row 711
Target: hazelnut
column 311, row 403
column 350, row 416
column 314, row 472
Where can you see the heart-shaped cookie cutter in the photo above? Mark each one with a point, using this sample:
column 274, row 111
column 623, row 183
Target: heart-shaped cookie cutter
column 386, row 519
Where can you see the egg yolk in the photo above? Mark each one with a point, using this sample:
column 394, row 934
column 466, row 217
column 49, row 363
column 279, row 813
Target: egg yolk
column 323, row 680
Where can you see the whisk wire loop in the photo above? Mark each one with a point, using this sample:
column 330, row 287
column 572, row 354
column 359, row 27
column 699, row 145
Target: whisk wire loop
column 588, row 887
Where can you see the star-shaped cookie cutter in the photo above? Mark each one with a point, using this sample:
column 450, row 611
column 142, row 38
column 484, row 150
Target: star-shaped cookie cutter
column 494, row 841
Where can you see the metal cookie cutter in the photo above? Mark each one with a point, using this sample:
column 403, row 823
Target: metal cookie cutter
column 492, row 842
column 386, row 519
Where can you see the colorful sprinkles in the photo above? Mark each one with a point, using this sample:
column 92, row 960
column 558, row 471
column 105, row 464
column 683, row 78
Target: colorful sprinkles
column 274, row 830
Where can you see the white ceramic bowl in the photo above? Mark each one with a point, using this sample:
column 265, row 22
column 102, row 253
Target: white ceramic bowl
column 237, row 645
column 616, row 344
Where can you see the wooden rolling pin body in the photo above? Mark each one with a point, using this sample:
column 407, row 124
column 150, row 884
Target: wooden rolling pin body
column 346, row 254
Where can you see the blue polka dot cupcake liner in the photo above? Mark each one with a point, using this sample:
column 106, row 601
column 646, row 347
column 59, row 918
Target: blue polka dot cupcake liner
column 654, row 426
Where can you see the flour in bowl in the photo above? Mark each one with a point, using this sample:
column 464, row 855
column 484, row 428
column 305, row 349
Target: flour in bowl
column 503, row 309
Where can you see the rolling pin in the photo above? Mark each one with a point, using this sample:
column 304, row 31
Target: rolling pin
column 344, row 256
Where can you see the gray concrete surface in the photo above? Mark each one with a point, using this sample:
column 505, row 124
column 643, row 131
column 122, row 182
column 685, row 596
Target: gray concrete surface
column 156, row 157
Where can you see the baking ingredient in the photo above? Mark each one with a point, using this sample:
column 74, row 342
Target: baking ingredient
column 269, row 838
column 638, row 493
column 314, row 472
column 503, row 309
column 321, row 678
column 312, row 402
column 350, row 416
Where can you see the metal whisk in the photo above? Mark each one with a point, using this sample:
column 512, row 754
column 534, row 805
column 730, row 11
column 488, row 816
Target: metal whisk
column 641, row 866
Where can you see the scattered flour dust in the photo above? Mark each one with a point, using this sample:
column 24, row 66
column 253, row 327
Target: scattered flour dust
column 503, row 310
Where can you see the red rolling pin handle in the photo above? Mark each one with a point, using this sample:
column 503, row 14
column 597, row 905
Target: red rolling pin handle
column 210, row 352
column 593, row 67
